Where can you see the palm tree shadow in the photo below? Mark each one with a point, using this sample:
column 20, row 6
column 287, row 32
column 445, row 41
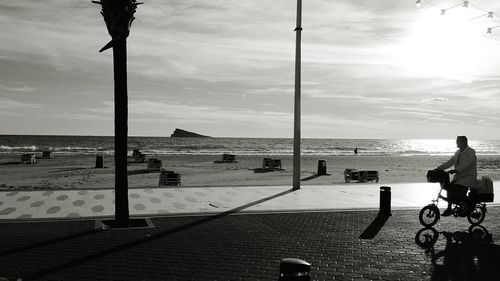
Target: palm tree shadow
column 48, row 242
column 105, row 252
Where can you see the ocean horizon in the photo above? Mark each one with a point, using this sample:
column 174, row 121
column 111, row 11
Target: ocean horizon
column 77, row 144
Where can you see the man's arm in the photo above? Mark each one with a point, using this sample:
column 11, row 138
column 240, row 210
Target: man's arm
column 448, row 163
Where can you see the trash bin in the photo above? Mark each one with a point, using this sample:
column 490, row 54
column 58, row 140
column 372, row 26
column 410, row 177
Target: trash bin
column 292, row 269
column 321, row 167
column 99, row 161
column 385, row 201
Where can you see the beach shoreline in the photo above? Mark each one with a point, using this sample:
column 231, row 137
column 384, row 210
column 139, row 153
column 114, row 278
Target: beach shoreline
column 78, row 171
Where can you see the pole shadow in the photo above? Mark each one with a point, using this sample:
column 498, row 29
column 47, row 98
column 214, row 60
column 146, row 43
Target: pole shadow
column 373, row 229
column 78, row 261
column 313, row 177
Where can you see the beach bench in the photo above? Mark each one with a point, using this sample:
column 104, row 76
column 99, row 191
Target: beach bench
column 154, row 165
column 47, row 155
column 137, row 157
column 28, row 158
column 227, row 158
column 271, row 164
column 360, row 176
column 169, row 178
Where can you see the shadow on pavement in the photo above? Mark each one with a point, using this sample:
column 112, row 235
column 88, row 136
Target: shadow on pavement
column 373, row 229
column 310, row 177
column 72, row 169
column 138, row 172
column 313, row 177
column 468, row 255
column 48, row 242
column 265, row 170
column 78, row 261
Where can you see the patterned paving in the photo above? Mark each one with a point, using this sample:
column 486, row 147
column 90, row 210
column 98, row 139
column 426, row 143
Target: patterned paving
column 181, row 201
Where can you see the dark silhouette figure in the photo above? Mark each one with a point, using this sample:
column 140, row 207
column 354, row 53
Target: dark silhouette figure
column 356, row 151
column 118, row 16
column 464, row 162
column 470, row 255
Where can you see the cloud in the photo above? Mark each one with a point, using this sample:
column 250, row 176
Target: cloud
column 364, row 63
column 12, row 105
column 22, row 89
column 438, row 99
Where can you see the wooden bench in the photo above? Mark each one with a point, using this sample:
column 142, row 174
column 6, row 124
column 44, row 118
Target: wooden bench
column 360, row 176
column 47, row 155
column 137, row 157
column 28, row 158
column 169, row 178
column 271, row 164
column 154, row 165
column 227, row 158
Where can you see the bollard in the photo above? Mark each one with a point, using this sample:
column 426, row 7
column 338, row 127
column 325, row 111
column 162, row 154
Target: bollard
column 385, row 201
column 294, row 270
column 99, row 161
column 321, row 167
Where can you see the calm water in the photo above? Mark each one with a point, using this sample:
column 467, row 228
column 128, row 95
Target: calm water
column 239, row 146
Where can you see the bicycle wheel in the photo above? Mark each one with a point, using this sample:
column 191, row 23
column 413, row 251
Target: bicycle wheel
column 477, row 215
column 429, row 215
column 426, row 237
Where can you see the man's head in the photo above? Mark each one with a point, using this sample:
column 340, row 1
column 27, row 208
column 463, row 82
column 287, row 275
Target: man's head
column 462, row 142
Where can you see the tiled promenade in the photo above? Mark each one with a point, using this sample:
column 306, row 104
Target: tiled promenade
column 243, row 237
column 183, row 201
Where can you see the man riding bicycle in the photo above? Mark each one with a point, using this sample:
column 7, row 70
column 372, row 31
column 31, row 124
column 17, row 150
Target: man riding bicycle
column 465, row 169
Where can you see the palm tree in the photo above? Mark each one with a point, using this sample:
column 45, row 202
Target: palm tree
column 118, row 16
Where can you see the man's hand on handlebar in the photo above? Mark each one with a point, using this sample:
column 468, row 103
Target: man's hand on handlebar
column 451, row 172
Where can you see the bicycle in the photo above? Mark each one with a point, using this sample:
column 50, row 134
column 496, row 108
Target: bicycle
column 471, row 206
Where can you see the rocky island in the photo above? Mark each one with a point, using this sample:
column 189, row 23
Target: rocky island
column 179, row 133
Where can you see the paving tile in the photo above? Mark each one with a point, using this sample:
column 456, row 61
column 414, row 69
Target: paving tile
column 53, row 210
column 97, row 208
column 140, row 207
column 48, row 193
column 62, row 197
column 78, row 203
column 23, row 198
column 7, row 211
column 155, row 200
column 37, row 204
column 134, row 195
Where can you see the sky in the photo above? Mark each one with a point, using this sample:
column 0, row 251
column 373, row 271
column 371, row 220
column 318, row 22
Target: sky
column 225, row 68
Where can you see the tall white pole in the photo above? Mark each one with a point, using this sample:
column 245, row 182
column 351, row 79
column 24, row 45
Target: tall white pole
column 296, row 123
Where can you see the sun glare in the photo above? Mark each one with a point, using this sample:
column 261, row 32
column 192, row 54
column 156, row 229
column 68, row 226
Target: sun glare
column 448, row 46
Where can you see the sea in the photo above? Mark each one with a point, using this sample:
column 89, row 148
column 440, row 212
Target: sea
column 75, row 145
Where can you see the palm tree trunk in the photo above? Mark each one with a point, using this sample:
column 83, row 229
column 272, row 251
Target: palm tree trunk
column 121, row 132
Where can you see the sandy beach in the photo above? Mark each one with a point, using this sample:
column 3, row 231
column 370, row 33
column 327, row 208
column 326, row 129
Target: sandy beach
column 78, row 171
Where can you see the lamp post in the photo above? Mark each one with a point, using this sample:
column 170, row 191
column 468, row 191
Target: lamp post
column 118, row 16
column 296, row 124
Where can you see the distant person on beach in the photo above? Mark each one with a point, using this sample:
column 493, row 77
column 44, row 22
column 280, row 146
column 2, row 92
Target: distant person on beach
column 356, row 151
column 464, row 162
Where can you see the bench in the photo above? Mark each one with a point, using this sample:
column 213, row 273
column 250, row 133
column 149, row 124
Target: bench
column 154, row 165
column 360, row 176
column 169, row 178
column 271, row 164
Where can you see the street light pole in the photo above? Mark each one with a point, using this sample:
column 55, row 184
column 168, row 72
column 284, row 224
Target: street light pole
column 296, row 124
